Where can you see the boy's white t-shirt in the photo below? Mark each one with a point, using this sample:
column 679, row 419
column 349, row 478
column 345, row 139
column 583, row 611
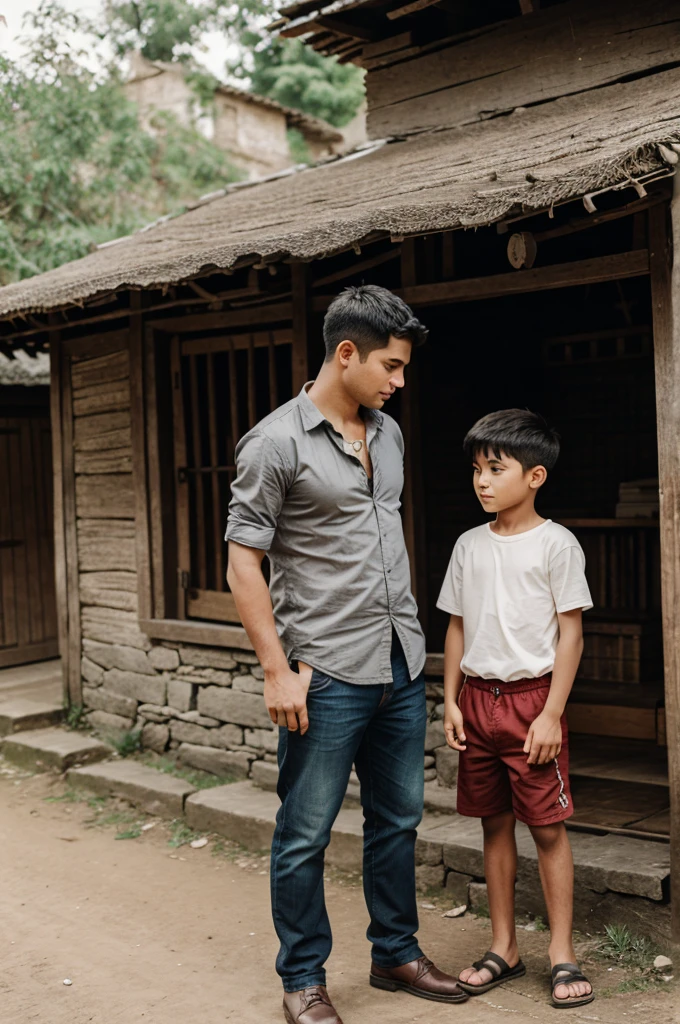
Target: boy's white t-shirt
column 509, row 591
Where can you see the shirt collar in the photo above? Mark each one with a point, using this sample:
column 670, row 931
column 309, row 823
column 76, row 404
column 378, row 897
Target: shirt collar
column 312, row 415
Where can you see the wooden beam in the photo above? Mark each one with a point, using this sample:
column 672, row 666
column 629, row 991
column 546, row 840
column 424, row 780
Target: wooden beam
column 300, row 314
column 358, row 267
column 410, row 8
column 345, row 28
column 664, row 236
column 414, row 501
column 195, row 632
column 74, row 641
column 236, row 318
column 56, row 418
column 140, row 482
column 561, row 275
column 262, row 339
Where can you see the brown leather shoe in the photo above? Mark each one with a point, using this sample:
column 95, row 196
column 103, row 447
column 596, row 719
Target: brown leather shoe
column 309, row 1006
column 421, row 978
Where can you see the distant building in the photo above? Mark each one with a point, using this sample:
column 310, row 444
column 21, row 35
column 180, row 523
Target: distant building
column 252, row 129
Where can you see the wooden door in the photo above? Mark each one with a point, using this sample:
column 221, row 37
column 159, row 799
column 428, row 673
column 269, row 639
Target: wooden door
column 28, row 614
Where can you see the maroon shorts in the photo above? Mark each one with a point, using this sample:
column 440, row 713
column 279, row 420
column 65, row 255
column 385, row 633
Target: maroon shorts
column 493, row 774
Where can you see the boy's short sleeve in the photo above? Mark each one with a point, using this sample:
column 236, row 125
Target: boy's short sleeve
column 257, row 493
column 568, row 580
column 451, row 595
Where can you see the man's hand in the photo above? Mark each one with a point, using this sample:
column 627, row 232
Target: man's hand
column 544, row 739
column 285, row 694
column 453, row 726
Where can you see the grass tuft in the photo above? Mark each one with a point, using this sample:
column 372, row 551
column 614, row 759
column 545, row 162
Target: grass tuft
column 195, row 777
column 126, row 743
column 626, row 949
column 181, row 834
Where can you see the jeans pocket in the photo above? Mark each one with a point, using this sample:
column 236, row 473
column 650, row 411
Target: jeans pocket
column 318, row 682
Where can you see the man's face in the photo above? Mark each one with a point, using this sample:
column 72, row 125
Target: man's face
column 374, row 381
column 500, row 482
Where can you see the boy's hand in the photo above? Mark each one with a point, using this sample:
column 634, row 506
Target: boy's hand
column 453, row 727
column 544, row 739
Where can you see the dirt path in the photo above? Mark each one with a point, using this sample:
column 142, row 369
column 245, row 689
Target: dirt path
column 160, row 935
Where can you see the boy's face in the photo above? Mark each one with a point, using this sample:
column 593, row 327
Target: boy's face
column 500, row 482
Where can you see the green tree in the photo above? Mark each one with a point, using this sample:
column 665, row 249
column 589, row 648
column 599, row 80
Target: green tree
column 77, row 169
column 163, row 30
column 286, row 69
column 283, row 69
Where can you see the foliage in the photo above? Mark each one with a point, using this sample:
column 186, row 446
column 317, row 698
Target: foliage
column 75, row 716
column 126, row 743
column 195, row 777
column 288, row 71
column 627, row 949
column 162, row 29
column 77, row 167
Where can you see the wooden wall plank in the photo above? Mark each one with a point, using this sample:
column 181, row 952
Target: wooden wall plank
column 100, row 370
column 567, row 48
column 105, row 496
column 664, row 237
column 107, row 397
column 181, row 484
column 117, row 460
column 106, row 544
column 109, row 589
column 8, row 633
column 28, row 456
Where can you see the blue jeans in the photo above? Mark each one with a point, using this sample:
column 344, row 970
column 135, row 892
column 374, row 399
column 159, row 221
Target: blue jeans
column 381, row 729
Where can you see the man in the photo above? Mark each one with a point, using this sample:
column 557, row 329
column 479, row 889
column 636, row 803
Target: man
column 317, row 489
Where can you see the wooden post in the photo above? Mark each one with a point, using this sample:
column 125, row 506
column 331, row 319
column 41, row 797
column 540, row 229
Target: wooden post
column 72, row 674
column 139, row 458
column 60, row 576
column 664, row 235
column 414, row 511
column 299, row 273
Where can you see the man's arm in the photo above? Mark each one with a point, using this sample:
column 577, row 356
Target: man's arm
column 285, row 691
column 453, row 682
column 544, row 739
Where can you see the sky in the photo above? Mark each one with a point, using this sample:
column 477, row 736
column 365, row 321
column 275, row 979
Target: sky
column 14, row 10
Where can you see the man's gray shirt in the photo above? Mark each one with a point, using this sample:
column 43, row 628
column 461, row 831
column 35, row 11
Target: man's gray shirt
column 340, row 577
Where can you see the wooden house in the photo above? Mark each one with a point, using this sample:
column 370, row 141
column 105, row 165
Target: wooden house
column 518, row 191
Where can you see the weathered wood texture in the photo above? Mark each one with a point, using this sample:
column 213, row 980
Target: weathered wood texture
column 105, row 496
column 109, row 589
column 60, row 584
column 106, row 544
column 566, row 49
column 28, row 616
column 72, row 674
column 664, row 239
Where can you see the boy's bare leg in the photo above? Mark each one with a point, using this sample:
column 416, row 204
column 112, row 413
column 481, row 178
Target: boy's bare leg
column 556, row 868
column 500, row 869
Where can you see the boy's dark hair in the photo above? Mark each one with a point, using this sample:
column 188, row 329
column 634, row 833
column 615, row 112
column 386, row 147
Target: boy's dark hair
column 517, row 433
column 369, row 315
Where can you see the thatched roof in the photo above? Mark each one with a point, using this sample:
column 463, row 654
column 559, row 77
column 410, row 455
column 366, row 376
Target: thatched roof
column 441, row 180
column 25, row 370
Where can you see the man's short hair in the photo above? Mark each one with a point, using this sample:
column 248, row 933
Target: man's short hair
column 517, row 433
column 369, row 316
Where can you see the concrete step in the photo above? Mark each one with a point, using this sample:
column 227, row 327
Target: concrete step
column 602, row 863
column 146, row 788
column 20, row 714
column 246, row 814
column 52, row 748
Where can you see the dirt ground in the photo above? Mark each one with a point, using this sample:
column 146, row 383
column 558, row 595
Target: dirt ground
column 159, row 934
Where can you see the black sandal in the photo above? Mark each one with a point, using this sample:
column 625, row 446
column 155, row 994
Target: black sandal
column 497, row 966
column 572, row 973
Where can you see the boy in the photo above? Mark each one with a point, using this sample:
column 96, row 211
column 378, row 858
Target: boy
column 515, row 589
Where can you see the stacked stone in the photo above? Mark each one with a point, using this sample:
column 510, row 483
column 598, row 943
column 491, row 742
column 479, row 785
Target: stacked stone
column 203, row 703
column 444, row 767
column 206, row 705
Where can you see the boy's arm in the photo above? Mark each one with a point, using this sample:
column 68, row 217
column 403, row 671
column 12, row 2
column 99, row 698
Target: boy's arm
column 544, row 739
column 453, row 682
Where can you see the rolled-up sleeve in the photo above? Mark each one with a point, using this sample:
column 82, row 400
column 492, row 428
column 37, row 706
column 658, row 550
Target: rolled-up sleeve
column 257, row 493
